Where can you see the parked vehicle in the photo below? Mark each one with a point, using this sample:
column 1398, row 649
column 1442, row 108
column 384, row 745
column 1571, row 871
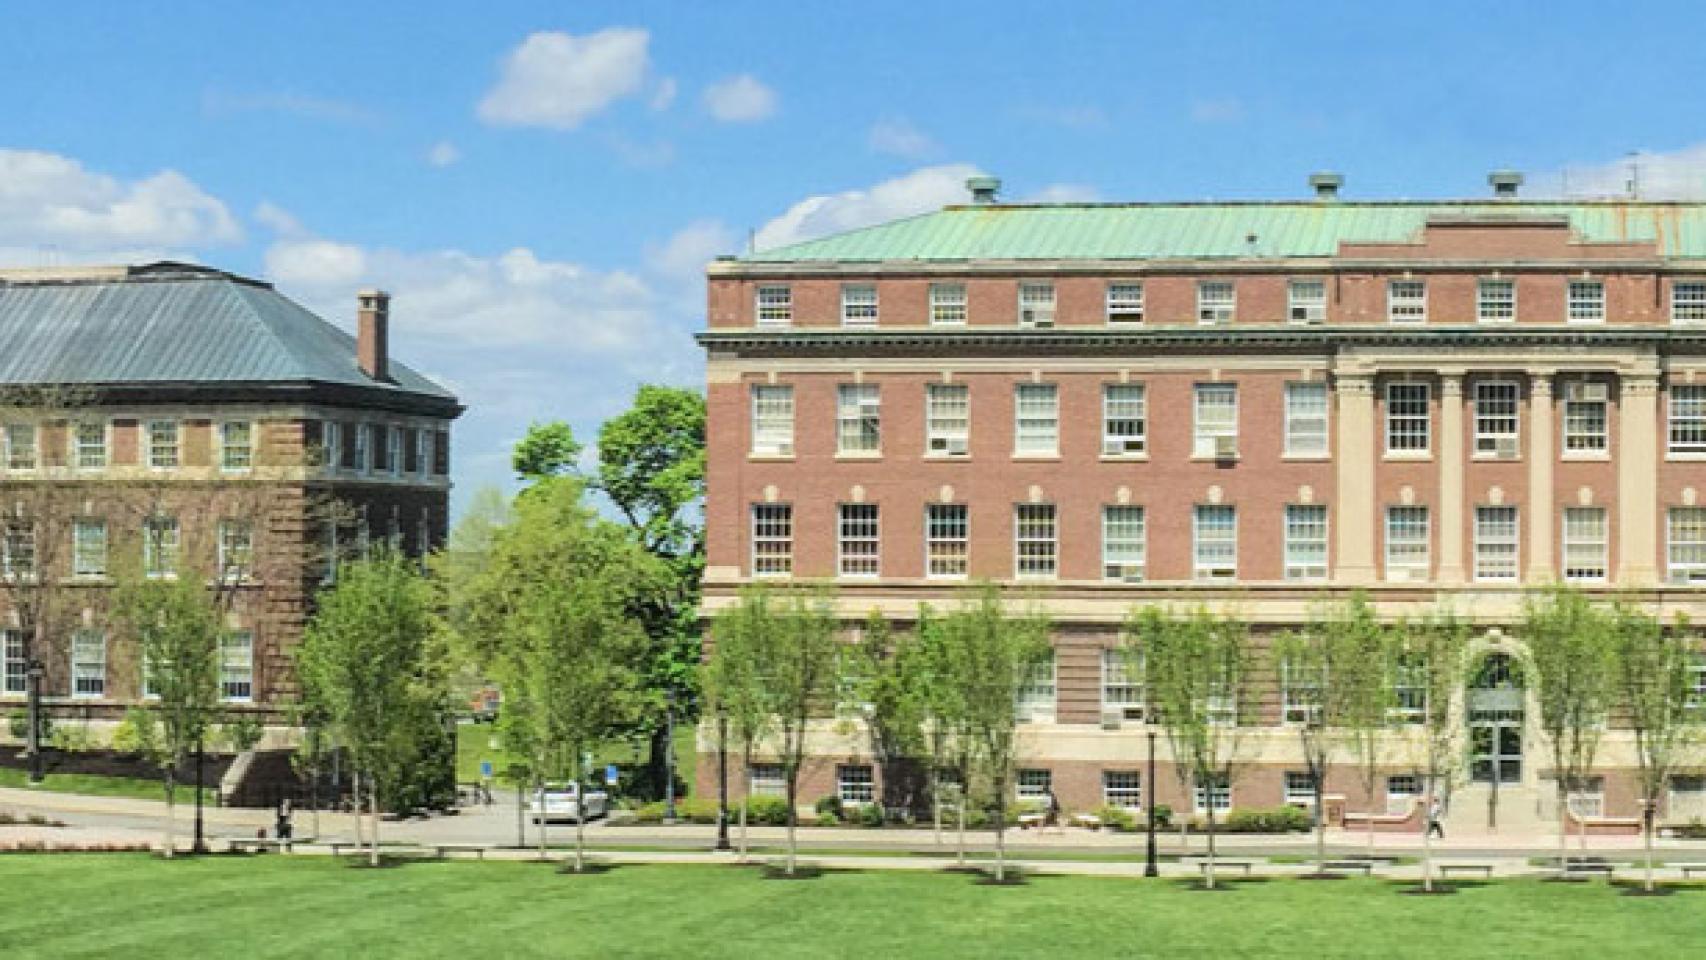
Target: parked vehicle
column 560, row 802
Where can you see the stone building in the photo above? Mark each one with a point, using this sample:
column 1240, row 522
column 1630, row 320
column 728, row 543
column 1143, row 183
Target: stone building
column 1253, row 405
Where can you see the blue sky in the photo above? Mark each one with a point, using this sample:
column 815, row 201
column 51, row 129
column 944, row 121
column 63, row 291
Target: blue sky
column 539, row 184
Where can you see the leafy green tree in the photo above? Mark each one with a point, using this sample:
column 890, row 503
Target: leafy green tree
column 746, row 638
column 942, row 704
column 1430, row 669
column 554, row 611
column 805, row 664
column 890, row 667
column 1655, row 682
column 547, row 450
column 1571, row 644
column 998, row 654
column 367, row 666
column 1361, row 701
column 1199, row 668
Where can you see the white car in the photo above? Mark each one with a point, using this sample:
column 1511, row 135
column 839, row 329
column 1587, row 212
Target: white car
column 560, row 802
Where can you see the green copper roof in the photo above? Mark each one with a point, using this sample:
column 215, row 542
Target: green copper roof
column 1194, row 230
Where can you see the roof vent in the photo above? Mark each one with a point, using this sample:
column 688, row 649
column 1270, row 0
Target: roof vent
column 1326, row 184
column 983, row 189
column 1505, row 183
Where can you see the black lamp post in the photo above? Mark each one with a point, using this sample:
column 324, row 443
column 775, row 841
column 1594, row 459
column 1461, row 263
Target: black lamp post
column 33, row 740
column 722, row 779
column 200, row 845
column 1149, row 868
column 669, row 756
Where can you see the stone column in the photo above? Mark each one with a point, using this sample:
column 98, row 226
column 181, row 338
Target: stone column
column 1355, row 520
column 1541, row 458
column 1451, row 446
column 1637, row 480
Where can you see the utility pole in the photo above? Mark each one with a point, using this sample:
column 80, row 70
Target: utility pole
column 1149, row 868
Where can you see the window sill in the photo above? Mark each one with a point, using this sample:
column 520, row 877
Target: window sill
column 1493, row 458
column 770, row 457
column 1038, row 457
column 1686, row 457
column 1124, row 457
column 1391, row 457
column 948, row 457
column 1306, row 457
column 1600, row 456
column 1232, row 459
column 856, row 457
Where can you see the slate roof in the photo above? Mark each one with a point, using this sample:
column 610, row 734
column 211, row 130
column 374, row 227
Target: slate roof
column 1156, row 231
column 176, row 325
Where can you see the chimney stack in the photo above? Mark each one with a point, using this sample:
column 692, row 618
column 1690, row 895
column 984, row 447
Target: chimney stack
column 1505, row 183
column 983, row 189
column 1326, row 184
column 372, row 332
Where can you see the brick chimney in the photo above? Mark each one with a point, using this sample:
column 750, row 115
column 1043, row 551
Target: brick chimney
column 372, row 332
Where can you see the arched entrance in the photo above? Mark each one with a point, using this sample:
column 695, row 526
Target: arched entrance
column 1495, row 709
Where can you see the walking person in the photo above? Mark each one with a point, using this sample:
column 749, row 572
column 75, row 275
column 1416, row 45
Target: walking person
column 1436, row 811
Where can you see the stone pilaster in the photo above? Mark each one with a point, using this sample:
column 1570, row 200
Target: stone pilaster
column 1637, row 479
column 1541, row 458
column 1450, row 453
column 1355, row 522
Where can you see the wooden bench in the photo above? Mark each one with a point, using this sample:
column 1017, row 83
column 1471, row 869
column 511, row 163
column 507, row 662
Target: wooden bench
column 1578, row 867
column 255, row 845
column 1447, row 869
column 445, row 849
column 1088, row 821
column 1029, row 820
column 1366, row 866
column 1242, row 866
column 1690, row 869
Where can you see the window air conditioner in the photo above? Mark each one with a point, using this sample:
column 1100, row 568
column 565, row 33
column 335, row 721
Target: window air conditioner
column 1225, row 448
column 1132, row 711
column 1036, row 317
column 1505, row 448
column 1131, row 573
column 1112, row 719
column 957, row 447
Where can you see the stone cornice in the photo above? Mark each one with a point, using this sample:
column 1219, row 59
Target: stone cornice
column 1204, row 266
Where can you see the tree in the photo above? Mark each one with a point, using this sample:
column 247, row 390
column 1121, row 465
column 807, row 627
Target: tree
column 555, row 612
column 942, row 707
column 547, row 450
column 1198, row 669
column 1430, row 668
column 890, row 667
column 1362, row 702
column 367, row 665
column 745, row 637
column 997, row 655
column 804, row 666
column 1571, row 645
column 1655, row 682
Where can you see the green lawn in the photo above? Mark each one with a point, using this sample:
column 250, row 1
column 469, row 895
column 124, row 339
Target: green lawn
column 134, row 906
column 96, row 785
column 475, row 742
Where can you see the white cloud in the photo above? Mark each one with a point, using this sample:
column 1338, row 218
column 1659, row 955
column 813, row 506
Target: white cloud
column 443, row 154
column 898, row 137
column 741, row 98
column 218, row 103
column 1065, row 193
column 556, row 80
column 1222, row 110
column 1652, row 175
column 49, row 200
column 682, row 258
column 279, row 220
column 664, row 94
column 920, row 191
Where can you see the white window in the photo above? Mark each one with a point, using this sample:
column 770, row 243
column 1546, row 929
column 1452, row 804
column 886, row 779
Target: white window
column 423, row 451
column 1221, row 709
column 1299, row 789
column 859, row 542
column 1122, row 683
column 855, row 783
column 1496, row 419
column 18, row 550
column 1125, row 421
column 772, row 539
column 1495, row 301
column 1585, row 417
column 1585, row 540
column 15, row 678
column 20, row 446
column 947, row 422
column 1217, row 301
column 766, row 780
column 947, row 539
column 1306, row 541
column 858, row 305
column 1495, row 543
column 237, row 665
column 775, row 306
column 858, row 418
column 1407, row 543
column 1214, row 537
column 236, row 550
column 1306, row 301
column 1306, row 419
column 331, row 444
column 1122, row 788
column 1036, row 424
column 1301, row 691
column 1588, row 799
column 1125, row 303
column 237, row 446
column 88, row 663
column 160, row 547
column 1686, row 800
column 1409, row 690
column 1688, row 302
column 89, row 548
column 1034, row 547
column 1685, row 529
column 1035, row 785
column 947, row 304
column 1401, row 793
column 1407, row 418
column 1216, row 423
column 1587, row 301
column 163, row 444
column 89, row 445
column 1036, row 693
column 377, row 447
column 1123, row 543
column 1036, row 304
column 1695, row 697
column 1216, row 794
column 1406, row 301
column 773, row 420
column 363, row 448
column 1687, row 419
column 394, row 451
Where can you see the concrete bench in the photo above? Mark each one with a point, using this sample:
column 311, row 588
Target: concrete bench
column 1029, row 820
column 1447, row 869
column 1242, row 866
column 1366, row 866
column 1690, row 869
column 1088, row 821
column 445, row 849
column 255, row 845
column 1579, row 867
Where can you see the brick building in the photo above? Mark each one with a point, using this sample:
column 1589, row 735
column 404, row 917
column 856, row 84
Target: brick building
column 177, row 420
column 1251, row 405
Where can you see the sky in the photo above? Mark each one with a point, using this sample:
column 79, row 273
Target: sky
column 539, row 185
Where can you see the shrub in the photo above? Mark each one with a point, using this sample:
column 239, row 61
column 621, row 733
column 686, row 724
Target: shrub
column 1281, row 819
column 871, row 815
column 71, row 737
column 826, row 819
column 767, row 810
column 1692, row 830
column 18, row 721
column 829, row 806
column 691, row 809
column 1163, row 816
column 242, row 733
column 1117, row 818
column 137, row 733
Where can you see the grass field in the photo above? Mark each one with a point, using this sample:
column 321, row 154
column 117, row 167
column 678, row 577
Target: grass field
column 95, row 785
column 133, row 906
column 474, row 742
